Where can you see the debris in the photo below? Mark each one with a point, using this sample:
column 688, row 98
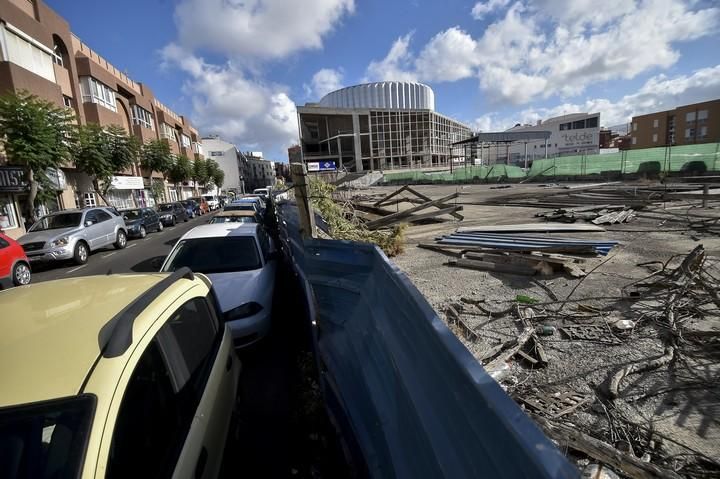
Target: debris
column 588, row 333
column 624, row 324
column 555, row 403
column 603, row 452
column 598, row 471
column 528, row 242
column 495, row 267
column 406, row 216
column 545, row 330
column 512, row 347
column 521, row 298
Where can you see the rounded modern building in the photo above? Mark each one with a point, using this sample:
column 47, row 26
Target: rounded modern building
column 378, row 126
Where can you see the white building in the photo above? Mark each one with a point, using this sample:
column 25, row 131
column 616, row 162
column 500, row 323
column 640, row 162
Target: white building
column 572, row 134
column 260, row 172
column 226, row 155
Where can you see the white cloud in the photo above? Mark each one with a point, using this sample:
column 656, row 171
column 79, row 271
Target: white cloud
column 483, row 8
column 226, row 102
column 323, row 82
column 657, row 94
column 263, row 29
column 448, row 56
column 544, row 48
column 396, row 66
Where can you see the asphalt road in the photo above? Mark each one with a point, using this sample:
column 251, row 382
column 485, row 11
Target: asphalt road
column 137, row 257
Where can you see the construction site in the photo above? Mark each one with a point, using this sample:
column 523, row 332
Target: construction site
column 594, row 305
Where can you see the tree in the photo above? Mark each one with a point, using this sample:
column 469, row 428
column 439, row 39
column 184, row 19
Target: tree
column 156, row 156
column 36, row 135
column 101, row 153
column 180, row 170
column 200, row 175
column 216, row 176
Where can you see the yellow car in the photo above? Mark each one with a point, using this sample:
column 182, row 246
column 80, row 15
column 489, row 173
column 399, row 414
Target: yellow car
column 116, row 376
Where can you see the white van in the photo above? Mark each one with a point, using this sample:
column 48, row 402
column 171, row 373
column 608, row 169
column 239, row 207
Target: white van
column 212, row 201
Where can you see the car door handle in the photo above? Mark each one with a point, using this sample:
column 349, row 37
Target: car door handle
column 228, row 364
column 200, row 466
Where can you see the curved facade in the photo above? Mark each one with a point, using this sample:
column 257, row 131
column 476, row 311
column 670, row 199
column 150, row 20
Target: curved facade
column 388, row 94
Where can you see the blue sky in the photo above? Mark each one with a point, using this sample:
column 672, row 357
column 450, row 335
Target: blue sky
column 237, row 67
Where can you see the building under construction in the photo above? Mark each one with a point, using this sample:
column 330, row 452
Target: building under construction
column 379, row 126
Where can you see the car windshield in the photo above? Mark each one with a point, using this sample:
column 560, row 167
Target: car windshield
column 48, row 438
column 131, row 214
column 208, row 198
column 215, row 255
column 166, row 207
column 58, row 221
column 240, row 207
column 233, row 219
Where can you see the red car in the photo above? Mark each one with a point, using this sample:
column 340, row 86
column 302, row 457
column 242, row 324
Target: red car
column 14, row 265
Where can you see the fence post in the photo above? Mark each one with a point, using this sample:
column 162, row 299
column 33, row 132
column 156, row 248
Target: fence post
column 302, row 198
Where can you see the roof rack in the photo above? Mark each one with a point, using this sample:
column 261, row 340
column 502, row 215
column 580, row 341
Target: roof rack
column 116, row 336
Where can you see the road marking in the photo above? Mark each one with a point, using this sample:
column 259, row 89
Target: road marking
column 109, row 254
column 132, row 245
column 75, row 269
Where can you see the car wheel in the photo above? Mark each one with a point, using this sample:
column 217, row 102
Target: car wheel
column 81, row 253
column 143, row 232
column 186, row 218
column 21, row 274
column 121, row 240
column 173, row 221
column 160, row 226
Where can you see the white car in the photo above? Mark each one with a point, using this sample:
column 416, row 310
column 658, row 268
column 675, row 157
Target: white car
column 240, row 260
column 212, row 201
column 263, row 192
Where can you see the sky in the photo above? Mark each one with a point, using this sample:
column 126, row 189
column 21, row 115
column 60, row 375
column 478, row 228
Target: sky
column 237, row 68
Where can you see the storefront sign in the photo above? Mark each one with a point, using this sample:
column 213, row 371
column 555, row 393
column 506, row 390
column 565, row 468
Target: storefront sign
column 127, row 183
column 12, row 179
column 322, row 166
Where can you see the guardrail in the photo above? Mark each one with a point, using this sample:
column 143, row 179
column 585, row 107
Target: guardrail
column 401, row 387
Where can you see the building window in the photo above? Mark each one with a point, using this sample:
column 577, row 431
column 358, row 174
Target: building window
column 634, row 140
column 120, row 199
column 656, row 123
column 67, row 101
column 702, row 115
column 142, row 117
column 634, row 126
column 689, row 133
column 690, row 116
column 89, row 199
column 565, row 126
column 185, row 140
column 591, row 122
column 167, row 131
column 94, row 91
column 703, row 131
column 24, row 51
column 578, row 125
column 8, row 219
column 655, row 137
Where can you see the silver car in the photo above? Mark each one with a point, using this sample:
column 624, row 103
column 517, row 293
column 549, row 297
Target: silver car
column 73, row 234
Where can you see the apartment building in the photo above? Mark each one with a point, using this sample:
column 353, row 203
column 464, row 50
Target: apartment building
column 684, row 125
column 259, row 171
column 40, row 54
column 227, row 156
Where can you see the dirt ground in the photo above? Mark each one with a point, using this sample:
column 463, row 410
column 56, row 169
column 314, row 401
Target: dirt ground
column 670, row 415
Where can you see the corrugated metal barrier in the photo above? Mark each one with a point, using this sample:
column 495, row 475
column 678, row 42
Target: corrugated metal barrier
column 415, row 401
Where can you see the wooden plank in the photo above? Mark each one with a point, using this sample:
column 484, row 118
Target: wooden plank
column 508, row 353
column 486, row 249
column 392, row 219
column 425, row 198
column 494, row 267
column 532, row 228
column 391, row 195
column 431, row 214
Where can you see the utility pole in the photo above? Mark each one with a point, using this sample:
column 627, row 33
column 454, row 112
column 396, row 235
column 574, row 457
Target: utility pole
column 302, row 198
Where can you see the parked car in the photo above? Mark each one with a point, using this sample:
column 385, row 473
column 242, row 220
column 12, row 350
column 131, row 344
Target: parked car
column 73, row 234
column 242, row 206
column 202, row 204
column 240, row 260
column 212, row 201
column 171, row 213
column 131, row 376
column 223, row 199
column 141, row 220
column 263, row 192
column 191, row 207
column 238, row 216
column 252, row 199
column 14, row 265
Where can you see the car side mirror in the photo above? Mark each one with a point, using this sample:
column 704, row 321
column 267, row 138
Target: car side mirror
column 89, row 223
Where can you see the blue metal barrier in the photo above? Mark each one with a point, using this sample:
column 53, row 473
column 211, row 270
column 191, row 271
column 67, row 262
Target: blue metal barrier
column 417, row 403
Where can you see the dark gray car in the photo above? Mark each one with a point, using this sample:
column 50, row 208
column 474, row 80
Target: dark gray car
column 171, row 213
column 140, row 221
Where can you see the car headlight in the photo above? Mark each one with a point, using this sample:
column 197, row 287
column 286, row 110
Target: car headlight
column 243, row 311
column 60, row 241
